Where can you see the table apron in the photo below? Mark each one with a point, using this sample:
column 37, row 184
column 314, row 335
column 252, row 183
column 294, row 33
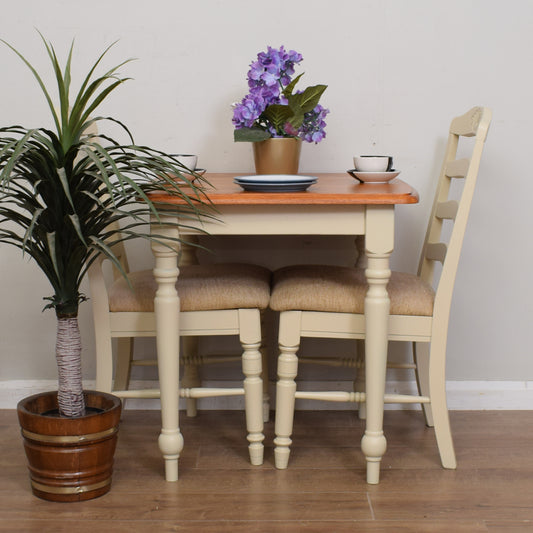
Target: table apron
column 285, row 220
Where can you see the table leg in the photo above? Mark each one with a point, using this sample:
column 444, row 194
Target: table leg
column 167, row 307
column 379, row 245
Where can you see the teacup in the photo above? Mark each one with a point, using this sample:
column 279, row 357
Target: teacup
column 372, row 163
column 187, row 160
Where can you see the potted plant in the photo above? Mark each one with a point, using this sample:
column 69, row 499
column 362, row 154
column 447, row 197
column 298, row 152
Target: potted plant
column 62, row 194
column 273, row 111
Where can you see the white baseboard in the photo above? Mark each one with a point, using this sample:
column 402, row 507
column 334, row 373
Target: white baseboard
column 462, row 395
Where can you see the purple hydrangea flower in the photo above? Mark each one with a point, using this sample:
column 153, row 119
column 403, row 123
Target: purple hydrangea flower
column 312, row 129
column 268, row 77
column 272, row 72
column 248, row 111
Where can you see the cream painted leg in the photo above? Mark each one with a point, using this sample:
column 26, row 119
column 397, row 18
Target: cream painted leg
column 266, row 383
column 265, row 372
column 379, row 245
column 437, row 393
column 289, row 342
column 359, row 383
column 191, row 375
column 123, row 365
column 104, row 361
column 104, row 347
column 421, row 357
column 250, row 338
column 167, row 307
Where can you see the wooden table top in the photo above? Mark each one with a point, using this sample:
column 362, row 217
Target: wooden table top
column 330, row 189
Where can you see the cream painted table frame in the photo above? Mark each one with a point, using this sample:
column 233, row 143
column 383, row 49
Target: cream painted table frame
column 336, row 205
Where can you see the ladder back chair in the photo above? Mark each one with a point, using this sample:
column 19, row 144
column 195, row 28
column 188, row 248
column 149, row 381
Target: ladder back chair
column 220, row 299
column 328, row 302
column 125, row 360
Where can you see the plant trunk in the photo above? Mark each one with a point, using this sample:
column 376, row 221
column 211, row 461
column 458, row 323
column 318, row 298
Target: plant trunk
column 68, row 355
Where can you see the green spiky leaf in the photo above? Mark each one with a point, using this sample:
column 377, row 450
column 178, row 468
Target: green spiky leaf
column 63, row 193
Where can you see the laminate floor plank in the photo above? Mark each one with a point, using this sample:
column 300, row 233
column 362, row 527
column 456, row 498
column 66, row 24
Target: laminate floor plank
column 209, row 506
column 510, row 526
column 323, row 489
column 488, row 504
column 267, row 526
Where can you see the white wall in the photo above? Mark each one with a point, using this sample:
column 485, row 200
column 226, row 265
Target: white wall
column 397, row 71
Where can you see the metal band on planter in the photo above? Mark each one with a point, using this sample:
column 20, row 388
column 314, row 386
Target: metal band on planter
column 70, row 490
column 69, row 439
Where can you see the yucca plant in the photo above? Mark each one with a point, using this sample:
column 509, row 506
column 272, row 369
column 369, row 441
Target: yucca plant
column 63, row 194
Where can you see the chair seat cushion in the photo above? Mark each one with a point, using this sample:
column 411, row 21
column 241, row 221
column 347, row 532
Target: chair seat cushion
column 200, row 288
column 342, row 290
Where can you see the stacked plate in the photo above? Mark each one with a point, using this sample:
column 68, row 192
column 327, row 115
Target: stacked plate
column 275, row 182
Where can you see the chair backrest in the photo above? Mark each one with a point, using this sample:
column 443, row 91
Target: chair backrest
column 120, row 253
column 474, row 123
column 118, row 248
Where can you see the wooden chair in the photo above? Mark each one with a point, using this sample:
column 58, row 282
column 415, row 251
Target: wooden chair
column 219, row 299
column 328, row 302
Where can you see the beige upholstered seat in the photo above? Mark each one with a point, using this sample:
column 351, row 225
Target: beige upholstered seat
column 200, row 287
column 328, row 301
column 220, row 299
column 342, row 290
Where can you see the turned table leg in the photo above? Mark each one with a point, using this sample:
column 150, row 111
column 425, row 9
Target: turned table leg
column 167, row 307
column 379, row 244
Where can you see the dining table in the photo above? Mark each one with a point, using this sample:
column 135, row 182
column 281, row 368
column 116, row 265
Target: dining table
column 336, row 204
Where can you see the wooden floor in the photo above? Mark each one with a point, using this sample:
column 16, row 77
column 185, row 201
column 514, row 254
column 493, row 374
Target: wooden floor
column 323, row 490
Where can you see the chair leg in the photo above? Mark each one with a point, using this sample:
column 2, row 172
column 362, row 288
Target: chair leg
column 265, row 380
column 439, row 408
column 250, row 338
column 421, row 360
column 104, row 360
column 359, row 383
column 191, row 376
column 289, row 343
column 123, row 364
column 265, row 372
column 285, row 400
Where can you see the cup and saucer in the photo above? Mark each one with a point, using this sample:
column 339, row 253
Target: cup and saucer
column 373, row 169
column 188, row 161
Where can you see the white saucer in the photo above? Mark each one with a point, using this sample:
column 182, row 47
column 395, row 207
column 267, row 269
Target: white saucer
column 189, row 178
column 373, row 177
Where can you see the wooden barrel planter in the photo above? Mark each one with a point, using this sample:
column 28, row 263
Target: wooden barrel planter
column 70, row 459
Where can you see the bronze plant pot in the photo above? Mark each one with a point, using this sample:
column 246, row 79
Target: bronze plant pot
column 277, row 155
column 70, row 459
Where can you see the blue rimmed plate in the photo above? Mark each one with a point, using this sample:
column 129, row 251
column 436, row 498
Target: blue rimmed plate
column 275, row 182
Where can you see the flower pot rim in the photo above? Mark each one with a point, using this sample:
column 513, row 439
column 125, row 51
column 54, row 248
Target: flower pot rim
column 276, row 139
column 24, row 403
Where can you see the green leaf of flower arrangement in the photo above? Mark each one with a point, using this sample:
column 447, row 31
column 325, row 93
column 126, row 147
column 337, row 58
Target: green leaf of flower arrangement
column 250, row 135
column 278, row 115
column 308, row 100
column 287, row 92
